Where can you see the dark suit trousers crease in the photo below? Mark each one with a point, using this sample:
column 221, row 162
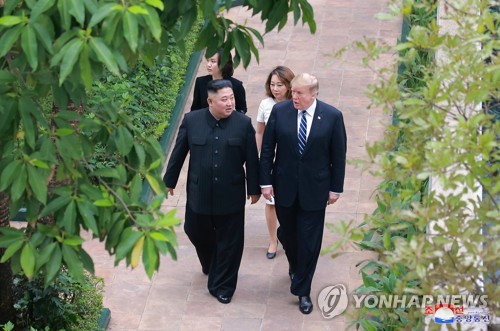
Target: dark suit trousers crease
column 301, row 233
column 219, row 241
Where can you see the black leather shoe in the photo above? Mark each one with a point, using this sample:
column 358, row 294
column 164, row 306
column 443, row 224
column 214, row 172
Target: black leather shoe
column 223, row 299
column 205, row 271
column 270, row 255
column 305, row 305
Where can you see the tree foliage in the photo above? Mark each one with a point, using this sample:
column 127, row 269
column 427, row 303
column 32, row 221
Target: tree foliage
column 56, row 49
column 436, row 227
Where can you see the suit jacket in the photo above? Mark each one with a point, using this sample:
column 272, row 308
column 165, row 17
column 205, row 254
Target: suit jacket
column 320, row 169
column 200, row 93
column 220, row 151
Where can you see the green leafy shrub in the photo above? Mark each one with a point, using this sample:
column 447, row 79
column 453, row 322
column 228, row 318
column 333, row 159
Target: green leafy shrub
column 434, row 241
column 65, row 304
column 149, row 91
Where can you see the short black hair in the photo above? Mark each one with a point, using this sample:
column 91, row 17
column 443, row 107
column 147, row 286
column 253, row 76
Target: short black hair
column 215, row 85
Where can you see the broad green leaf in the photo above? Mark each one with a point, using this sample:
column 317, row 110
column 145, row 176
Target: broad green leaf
column 44, row 37
column 137, row 10
column 101, row 14
column 128, row 239
column 8, row 39
column 168, row 220
column 62, row 52
column 155, row 3
column 87, row 213
column 114, row 235
column 30, row 46
column 135, row 188
column 69, row 59
column 104, row 54
column 44, row 255
column 136, row 252
column 124, row 140
column 11, row 250
column 7, row 77
column 53, row 266
column 9, row 6
column 68, row 220
column 308, row 16
column 92, row 6
column 153, row 22
column 19, row 183
column 154, row 165
column 55, row 205
column 26, row 107
column 103, row 203
column 63, row 7
column 141, row 155
column 28, row 260
column 85, row 68
column 188, row 20
column 241, row 46
column 130, row 30
column 77, row 9
column 208, row 7
column 150, row 257
column 38, row 184
column 154, row 184
column 73, row 240
column 8, row 174
column 113, row 21
column 87, row 262
column 72, row 261
column 41, row 7
column 61, row 132
column 158, row 236
column 105, row 172
column 9, row 236
column 11, row 20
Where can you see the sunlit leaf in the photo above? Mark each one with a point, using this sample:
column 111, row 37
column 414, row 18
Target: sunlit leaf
column 155, row 3
column 136, row 252
column 11, row 20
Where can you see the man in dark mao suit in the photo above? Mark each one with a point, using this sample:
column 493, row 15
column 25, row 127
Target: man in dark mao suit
column 302, row 164
column 221, row 143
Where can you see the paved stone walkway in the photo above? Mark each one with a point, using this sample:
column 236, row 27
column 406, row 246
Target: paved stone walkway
column 176, row 298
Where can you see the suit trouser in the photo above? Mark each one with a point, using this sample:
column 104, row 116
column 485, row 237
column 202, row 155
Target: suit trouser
column 219, row 241
column 301, row 233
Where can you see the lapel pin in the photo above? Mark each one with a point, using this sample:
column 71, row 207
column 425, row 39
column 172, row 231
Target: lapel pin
column 319, row 117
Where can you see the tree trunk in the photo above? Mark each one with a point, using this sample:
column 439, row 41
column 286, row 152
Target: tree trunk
column 7, row 312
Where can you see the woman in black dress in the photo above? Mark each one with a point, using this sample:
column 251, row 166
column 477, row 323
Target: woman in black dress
column 215, row 72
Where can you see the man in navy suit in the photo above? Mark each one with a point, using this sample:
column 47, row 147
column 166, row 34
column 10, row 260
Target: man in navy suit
column 302, row 164
column 223, row 156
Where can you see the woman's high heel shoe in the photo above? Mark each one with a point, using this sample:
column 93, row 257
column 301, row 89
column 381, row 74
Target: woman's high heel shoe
column 272, row 255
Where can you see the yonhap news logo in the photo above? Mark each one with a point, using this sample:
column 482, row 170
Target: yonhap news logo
column 333, row 300
column 444, row 309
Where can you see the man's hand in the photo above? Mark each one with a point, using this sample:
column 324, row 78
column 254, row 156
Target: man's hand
column 332, row 198
column 267, row 193
column 170, row 191
column 253, row 198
